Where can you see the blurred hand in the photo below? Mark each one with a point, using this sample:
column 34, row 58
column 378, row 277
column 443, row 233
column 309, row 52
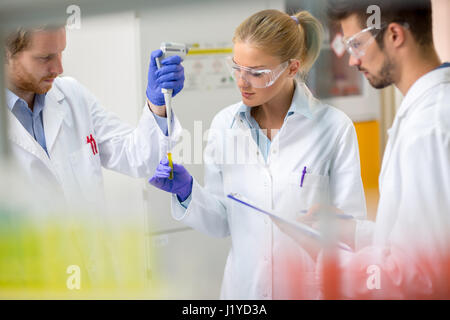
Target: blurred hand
column 345, row 225
column 311, row 245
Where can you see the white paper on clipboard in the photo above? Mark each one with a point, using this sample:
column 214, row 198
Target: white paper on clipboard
column 289, row 227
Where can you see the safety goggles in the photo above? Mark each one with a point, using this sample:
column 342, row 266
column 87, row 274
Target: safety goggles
column 357, row 44
column 256, row 78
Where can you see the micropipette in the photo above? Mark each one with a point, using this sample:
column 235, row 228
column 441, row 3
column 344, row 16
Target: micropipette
column 170, row 49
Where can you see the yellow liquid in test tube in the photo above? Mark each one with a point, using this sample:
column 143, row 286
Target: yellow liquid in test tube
column 169, row 157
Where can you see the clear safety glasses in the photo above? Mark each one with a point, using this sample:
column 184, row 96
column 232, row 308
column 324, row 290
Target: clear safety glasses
column 255, row 78
column 357, row 44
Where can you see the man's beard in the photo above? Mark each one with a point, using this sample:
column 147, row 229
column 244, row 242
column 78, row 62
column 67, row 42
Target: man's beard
column 384, row 77
column 26, row 82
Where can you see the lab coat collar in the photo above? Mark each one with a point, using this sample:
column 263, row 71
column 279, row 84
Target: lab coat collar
column 55, row 92
column 12, row 98
column 408, row 104
column 18, row 135
column 423, row 84
column 302, row 103
column 53, row 115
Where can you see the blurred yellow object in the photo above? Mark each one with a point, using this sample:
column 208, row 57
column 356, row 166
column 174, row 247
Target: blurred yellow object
column 169, row 157
column 53, row 257
column 66, row 253
column 369, row 150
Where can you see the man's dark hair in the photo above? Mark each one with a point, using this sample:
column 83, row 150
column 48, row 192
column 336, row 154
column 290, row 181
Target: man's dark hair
column 416, row 13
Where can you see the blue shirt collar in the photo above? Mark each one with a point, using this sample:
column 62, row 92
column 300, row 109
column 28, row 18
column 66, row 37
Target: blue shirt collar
column 12, row 99
column 444, row 65
column 300, row 105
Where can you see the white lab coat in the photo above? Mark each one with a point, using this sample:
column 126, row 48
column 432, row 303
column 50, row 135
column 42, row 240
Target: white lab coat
column 73, row 169
column 411, row 236
column 264, row 263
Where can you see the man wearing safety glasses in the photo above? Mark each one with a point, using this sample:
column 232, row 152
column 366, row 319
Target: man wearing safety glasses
column 407, row 254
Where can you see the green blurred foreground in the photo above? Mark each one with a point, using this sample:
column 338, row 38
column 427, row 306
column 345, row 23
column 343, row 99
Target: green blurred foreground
column 71, row 255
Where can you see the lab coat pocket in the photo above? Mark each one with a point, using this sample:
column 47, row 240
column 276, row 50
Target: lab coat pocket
column 314, row 190
column 86, row 167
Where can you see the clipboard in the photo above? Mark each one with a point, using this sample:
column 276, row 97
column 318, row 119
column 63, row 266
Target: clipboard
column 291, row 226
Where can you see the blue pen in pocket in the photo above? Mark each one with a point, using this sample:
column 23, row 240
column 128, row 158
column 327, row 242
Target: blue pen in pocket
column 303, row 177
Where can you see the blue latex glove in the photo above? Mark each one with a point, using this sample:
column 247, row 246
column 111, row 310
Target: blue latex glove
column 181, row 184
column 170, row 76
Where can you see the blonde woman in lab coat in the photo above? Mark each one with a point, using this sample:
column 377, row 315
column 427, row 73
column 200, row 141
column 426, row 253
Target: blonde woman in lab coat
column 279, row 147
